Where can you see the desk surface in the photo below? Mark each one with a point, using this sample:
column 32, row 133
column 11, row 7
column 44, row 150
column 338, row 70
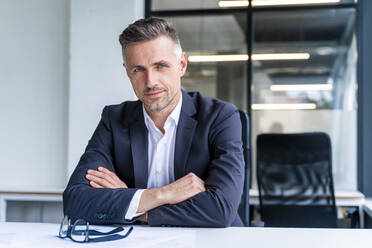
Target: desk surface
column 44, row 235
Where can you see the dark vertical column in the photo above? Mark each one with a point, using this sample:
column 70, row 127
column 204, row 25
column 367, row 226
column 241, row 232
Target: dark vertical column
column 364, row 97
column 147, row 8
column 250, row 41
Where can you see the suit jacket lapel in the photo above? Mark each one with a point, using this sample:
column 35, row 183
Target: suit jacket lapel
column 138, row 138
column 185, row 133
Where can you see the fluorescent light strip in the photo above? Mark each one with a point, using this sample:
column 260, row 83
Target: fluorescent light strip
column 301, row 87
column 229, row 4
column 218, row 58
column 258, row 3
column 291, row 2
column 244, row 57
column 280, row 56
column 290, row 106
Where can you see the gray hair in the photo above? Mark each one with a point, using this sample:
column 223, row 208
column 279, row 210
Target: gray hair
column 149, row 29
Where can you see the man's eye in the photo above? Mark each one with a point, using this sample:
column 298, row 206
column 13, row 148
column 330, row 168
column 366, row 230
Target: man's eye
column 138, row 69
column 162, row 66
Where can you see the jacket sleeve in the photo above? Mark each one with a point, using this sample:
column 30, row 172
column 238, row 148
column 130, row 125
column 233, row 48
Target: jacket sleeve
column 96, row 205
column 218, row 205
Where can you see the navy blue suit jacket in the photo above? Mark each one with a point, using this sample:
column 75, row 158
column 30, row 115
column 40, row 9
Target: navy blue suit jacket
column 208, row 143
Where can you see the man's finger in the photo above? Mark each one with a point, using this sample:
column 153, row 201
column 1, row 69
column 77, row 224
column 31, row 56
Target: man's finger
column 198, row 186
column 105, row 170
column 98, row 180
column 195, row 178
column 108, row 178
column 196, row 183
column 113, row 177
column 105, row 178
column 102, row 175
column 200, row 180
column 95, row 185
column 119, row 182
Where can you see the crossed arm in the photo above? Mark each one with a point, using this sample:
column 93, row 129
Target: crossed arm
column 173, row 193
column 100, row 196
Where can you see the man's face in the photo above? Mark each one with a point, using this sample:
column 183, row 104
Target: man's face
column 155, row 73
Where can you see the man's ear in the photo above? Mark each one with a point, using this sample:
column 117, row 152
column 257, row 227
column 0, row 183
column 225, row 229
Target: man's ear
column 183, row 64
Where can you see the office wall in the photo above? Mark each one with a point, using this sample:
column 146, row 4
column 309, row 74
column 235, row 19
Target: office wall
column 97, row 77
column 60, row 65
column 33, row 93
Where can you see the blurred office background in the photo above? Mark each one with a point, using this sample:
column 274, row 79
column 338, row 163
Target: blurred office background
column 292, row 68
column 316, row 92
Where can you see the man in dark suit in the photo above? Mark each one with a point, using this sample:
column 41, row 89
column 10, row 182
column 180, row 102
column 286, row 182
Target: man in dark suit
column 170, row 158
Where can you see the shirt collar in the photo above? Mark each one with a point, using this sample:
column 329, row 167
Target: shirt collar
column 175, row 115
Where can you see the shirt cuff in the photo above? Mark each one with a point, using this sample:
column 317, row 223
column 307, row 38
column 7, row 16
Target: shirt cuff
column 133, row 205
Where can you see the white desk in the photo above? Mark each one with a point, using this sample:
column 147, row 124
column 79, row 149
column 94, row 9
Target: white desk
column 44, row 235
column 344, row 198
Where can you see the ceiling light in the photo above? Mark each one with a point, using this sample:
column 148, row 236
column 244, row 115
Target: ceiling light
column 301, row 87
column 218, row 58
column 280, row 56
column 289, row 106
column 244, row 57
column 229, row 4
column 258, row 3
column 291, row 2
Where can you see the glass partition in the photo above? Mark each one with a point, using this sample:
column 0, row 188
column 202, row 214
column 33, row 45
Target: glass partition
column 229, row 4
column 203, row 36
column 303, row 66
column 315, row 92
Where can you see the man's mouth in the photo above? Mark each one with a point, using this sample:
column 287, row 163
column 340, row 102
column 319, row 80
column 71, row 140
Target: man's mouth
column 154, row 94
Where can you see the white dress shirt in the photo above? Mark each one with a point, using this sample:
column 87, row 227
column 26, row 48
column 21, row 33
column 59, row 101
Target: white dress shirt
column 160, row 156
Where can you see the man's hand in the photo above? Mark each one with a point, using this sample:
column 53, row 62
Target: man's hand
column 143, row 218
column 176, row 192
column 183, row 189
column 103, row 178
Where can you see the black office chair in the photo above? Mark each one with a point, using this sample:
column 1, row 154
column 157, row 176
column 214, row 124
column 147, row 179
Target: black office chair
column 294, row 176
column 244, row 203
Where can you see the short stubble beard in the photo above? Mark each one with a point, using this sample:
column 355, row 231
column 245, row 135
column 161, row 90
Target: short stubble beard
column 158, row 109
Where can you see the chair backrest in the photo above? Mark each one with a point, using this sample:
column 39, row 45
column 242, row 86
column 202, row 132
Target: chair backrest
column 294, row 176
column 244, row 203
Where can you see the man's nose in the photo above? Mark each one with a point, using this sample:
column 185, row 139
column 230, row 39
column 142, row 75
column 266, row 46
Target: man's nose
column 150, row 79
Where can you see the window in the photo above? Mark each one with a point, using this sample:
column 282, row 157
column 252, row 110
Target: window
column 315, row 92
column 293, row 67
column 214, row 35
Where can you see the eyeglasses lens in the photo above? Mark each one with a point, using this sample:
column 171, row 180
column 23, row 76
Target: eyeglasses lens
column 64, row 227
column 79, row 231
